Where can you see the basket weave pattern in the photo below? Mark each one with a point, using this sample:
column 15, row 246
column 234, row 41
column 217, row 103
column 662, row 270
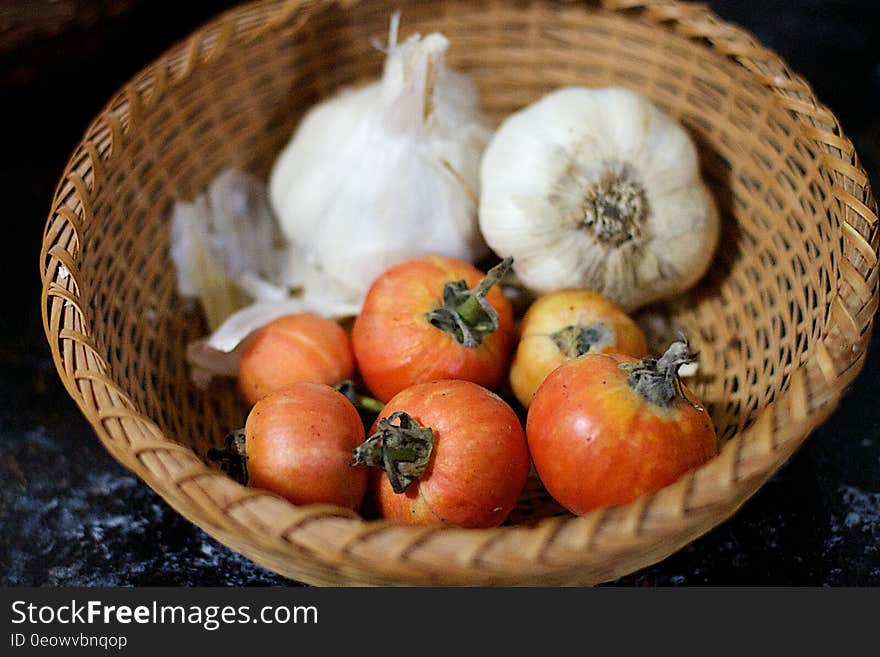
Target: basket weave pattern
column 782, row 320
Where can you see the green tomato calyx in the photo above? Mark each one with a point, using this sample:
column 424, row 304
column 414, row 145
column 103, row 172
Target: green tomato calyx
column 402, row 450
column 348, row 389
column 465, row 313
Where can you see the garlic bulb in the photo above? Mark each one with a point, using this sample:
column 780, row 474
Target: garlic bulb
column 598, row 189
column 381, row 173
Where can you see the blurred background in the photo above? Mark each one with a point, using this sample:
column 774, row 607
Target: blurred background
column 71, row 516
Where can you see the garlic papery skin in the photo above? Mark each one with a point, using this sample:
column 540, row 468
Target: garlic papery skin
column 225, row 246
column 228, row 254
column 385, row 172
column 598, row 189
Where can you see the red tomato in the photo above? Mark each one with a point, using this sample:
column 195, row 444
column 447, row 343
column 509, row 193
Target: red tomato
column 396, row 338
column 294, row 348
column 298, row 442
column 463, row 462
column 601, row 434
column 561, row 326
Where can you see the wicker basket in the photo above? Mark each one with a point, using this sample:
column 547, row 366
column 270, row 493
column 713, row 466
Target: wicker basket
column 782, row 320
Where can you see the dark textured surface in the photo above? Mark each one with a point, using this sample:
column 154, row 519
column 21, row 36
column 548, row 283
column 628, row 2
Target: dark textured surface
column 71, row 516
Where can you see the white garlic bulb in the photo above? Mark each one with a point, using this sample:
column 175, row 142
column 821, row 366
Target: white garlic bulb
column 598, row 189
column 385, row 172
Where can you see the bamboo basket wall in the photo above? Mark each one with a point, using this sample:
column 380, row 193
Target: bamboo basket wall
column 782, row 320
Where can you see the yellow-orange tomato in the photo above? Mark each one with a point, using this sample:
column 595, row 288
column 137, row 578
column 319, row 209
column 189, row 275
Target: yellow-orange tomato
column 472, row 472
column 561, row 326
column 298, row 444
column 397, row 343
column 601, row 434
column 291, row 349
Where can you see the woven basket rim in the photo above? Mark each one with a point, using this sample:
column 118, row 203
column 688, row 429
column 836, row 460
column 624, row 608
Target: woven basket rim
column 681, row 509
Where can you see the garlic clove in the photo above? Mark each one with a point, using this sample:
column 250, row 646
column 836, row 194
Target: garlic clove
column 687, row 234
column 671, row 162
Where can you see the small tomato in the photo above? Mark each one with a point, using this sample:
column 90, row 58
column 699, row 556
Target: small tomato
column 292, row 349
column 564, row 325
column 297, row 442
column 607, row 428
column 433, row 318
column 453, row 453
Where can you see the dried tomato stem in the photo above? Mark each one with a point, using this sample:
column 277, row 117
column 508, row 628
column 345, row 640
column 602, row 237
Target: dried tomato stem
column 656, row 379
column 359, row 401
column 402, row 450
column 465, row 313
column 471, row 310
column 233, row 456
column 576, row 340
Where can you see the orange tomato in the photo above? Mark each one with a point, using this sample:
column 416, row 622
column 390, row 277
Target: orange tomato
column 406, row 332
column 298, row 443
column 463, row 456
column 291, row 349
column 605, row 429
column 561, row 326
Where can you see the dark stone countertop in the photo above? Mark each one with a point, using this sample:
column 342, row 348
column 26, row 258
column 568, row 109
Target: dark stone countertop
column 72, row 516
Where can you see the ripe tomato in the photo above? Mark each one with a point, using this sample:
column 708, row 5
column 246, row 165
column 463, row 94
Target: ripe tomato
column 453, row 452
column 297, row 443
column 606, row 428
column 294, row 348
column 564, row 325
column 420, row 323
